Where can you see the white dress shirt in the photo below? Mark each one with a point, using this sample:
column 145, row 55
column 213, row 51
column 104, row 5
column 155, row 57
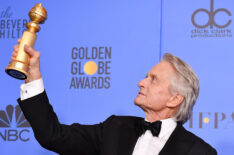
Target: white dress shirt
column 146, row 144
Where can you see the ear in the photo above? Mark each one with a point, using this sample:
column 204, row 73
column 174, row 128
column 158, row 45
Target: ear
column 175, row 101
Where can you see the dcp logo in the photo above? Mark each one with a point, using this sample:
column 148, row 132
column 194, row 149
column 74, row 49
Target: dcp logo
column 211, row 14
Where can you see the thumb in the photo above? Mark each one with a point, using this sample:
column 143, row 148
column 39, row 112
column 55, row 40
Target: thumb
column 29, row 50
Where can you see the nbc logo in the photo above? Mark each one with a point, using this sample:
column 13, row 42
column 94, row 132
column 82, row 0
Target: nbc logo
column 13, row 124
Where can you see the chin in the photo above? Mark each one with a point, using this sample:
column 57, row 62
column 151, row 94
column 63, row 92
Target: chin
column 137, row 102
column 140, row 105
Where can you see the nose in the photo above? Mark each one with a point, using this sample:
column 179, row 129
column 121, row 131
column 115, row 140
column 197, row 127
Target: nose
column 141, row 84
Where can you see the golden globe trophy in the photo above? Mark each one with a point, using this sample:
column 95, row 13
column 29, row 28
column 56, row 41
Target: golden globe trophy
column 18, row 67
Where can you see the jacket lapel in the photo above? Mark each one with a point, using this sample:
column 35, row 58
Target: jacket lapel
column 179, row 142
column 127, row 138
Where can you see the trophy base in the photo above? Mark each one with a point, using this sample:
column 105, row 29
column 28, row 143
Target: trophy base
column 17, row 70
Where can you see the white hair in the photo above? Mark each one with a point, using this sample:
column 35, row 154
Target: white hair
column 185, row 83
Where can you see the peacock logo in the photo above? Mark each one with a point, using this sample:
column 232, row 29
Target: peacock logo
column 11, row 112
column 13, row 125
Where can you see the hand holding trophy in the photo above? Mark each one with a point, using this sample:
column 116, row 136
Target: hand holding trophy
column 18, row 67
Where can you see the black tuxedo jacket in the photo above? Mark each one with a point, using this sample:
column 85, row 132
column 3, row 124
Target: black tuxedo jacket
column 115, row 136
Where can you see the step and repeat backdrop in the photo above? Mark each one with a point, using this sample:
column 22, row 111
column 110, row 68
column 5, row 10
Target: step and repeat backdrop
column 93, row 54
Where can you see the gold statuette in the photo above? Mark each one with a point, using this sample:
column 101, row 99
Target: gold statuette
column 18, row 68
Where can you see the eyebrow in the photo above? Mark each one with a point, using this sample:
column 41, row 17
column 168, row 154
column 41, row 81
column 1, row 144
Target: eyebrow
column 151, row 74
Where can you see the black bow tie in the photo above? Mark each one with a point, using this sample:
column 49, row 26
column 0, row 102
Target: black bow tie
column 154, row 127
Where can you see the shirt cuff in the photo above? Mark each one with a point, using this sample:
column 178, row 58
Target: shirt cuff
column 31, row 89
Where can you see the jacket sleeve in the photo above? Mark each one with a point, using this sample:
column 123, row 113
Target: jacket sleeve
column 63, row 139
column 211, row 152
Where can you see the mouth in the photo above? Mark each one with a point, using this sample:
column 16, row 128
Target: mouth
column 140, row 93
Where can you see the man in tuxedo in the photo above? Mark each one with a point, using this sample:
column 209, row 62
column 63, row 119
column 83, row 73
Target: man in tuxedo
column 167, row 95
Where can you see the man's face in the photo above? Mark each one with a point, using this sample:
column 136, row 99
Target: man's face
column 154, row 89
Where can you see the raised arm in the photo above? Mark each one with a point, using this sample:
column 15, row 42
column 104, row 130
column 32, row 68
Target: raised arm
column 63, row 139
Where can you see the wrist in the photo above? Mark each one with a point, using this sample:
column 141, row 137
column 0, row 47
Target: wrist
column 33, row 77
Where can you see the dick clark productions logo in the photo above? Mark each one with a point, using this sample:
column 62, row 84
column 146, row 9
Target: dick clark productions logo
column 13, row 125
column 91, row 67
column 211, row 28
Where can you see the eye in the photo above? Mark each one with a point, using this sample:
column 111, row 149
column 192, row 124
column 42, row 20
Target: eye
column 154, row 79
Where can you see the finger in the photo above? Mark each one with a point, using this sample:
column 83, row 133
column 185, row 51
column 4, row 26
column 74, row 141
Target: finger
column 29, row 50
column 14, row 54
column 19, row 40
column 13, row 58
column 37, row 54
column 16, row 48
